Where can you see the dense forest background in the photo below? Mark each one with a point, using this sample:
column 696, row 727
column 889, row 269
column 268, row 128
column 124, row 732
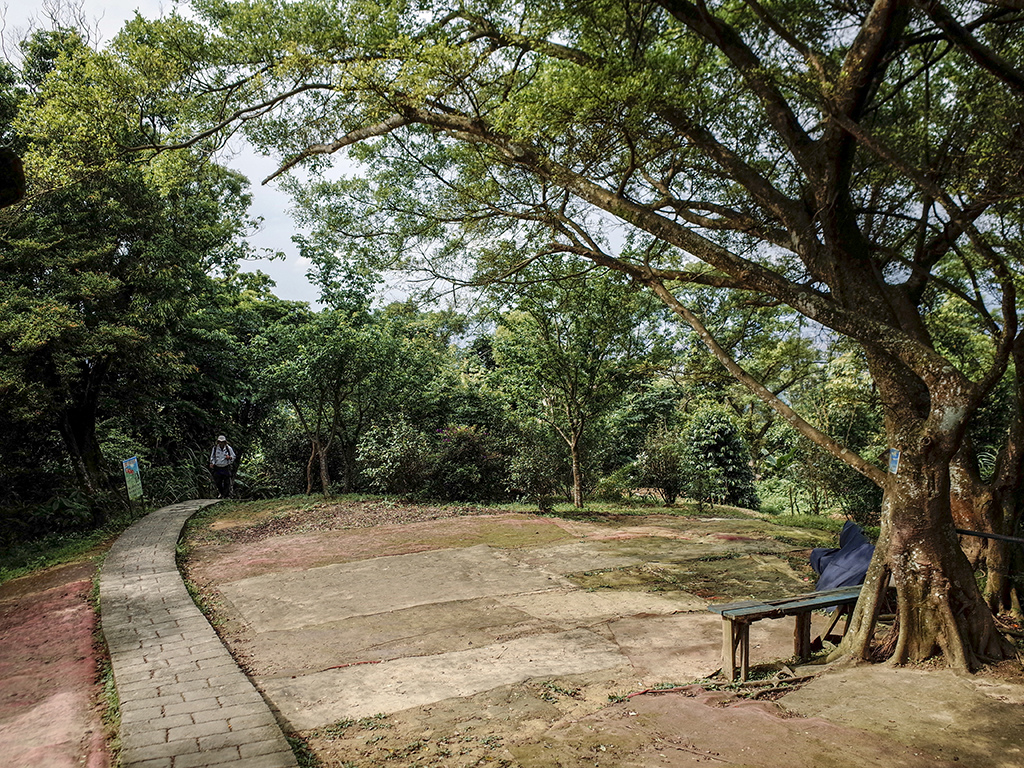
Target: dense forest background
column 128, row 329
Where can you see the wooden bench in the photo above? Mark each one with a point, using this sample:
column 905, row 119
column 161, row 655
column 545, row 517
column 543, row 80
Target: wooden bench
column 737, row 618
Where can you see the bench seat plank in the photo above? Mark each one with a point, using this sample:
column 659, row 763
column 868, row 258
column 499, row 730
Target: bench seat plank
column 737, row 618
column 805, row 606
column 722, row 607
column 841, row 593
column 753, row 613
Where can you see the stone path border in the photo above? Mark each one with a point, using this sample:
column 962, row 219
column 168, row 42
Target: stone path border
column 184, row 701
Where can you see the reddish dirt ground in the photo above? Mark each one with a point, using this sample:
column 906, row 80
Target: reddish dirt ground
column 51, row 702
column 49, row 662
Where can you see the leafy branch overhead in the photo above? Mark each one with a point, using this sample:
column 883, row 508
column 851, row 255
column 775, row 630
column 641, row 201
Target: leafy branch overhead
column 858, row 163
column 810, row 144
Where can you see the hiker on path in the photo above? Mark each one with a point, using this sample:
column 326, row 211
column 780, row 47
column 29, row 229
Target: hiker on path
column 222, row 456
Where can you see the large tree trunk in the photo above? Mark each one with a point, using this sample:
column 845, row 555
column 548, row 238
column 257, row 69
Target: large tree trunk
column 971, row 504
column 325, row 475
column 939, row 607
column 992, row 508
column 78, row 430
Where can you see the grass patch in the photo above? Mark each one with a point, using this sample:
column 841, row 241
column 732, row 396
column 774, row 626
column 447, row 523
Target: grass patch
column 632, row 577
column 246, row 514
column 206, row 604
column 821, row 523
column 232, row 515
column 334, row 730
column 551, row 691
column 304, row 754
column 25, row 557
column 615, row 510
column 812, row 522
column 108, row 702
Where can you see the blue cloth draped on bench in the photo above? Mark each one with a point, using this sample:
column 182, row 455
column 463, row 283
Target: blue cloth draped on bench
column 847, row 565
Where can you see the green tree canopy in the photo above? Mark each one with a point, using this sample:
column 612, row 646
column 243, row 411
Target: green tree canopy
column 573, row 348
column 833, row 158
column 103, row 259
column 339, row 374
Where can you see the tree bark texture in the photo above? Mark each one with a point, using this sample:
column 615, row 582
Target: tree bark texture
column 577, row 474
column 78, row 430
column 992, row 508
column 939, row 607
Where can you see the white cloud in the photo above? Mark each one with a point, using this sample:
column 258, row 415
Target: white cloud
column 105, row 18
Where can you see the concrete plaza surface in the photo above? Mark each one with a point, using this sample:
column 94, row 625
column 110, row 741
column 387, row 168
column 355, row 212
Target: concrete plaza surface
column 447, row 639
column 518, row 648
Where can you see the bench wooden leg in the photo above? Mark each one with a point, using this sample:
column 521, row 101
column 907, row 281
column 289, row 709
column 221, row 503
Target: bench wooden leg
column 728, row 649
column 735, row 637
column 744, row 639
column 841, row 612
column 802, row 636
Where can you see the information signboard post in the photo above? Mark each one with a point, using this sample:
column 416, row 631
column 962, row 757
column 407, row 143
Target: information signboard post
column 132, row 478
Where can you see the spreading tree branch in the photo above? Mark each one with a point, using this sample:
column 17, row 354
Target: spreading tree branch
column 984, row 56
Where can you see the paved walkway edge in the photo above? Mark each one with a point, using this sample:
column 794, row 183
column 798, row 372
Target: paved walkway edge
column 184, row 701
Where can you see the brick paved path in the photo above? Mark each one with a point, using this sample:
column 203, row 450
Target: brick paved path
column 184, row 701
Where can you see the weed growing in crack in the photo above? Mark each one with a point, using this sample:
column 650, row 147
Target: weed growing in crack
column 552, row 690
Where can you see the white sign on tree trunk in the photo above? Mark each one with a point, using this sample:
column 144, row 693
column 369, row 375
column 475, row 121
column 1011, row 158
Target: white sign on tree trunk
column 894, row 461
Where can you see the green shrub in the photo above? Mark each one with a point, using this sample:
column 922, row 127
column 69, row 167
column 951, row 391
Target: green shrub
column 538, row 468
column 395, row 458
column 71, row 512
column 705, row 484
column 615, row 486
column 717, row 461
column 467, row 462
column 661, row 465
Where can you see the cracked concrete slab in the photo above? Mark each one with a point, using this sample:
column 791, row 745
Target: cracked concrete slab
column 292, row 600
column 422, row 630
column 311, row 701
column 578, row 556
column 381, row 635
column 570, row 608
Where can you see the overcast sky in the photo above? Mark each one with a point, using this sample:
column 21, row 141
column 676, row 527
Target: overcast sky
column 268, row 201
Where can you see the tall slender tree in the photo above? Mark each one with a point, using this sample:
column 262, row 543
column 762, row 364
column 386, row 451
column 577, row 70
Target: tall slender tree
column 574, row 348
